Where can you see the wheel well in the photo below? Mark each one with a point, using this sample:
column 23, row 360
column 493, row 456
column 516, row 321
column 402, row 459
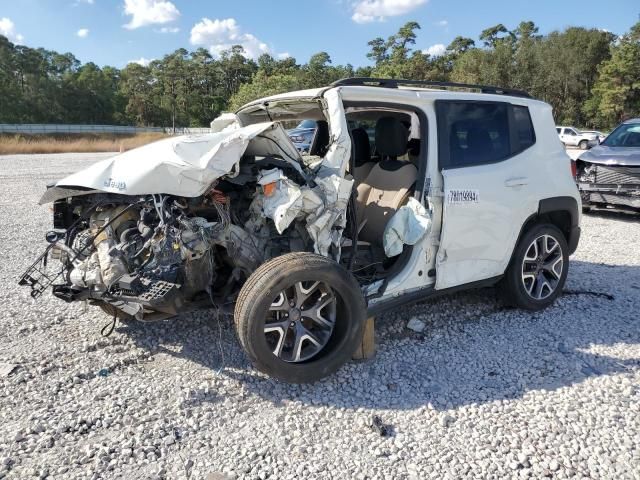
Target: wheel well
column 560, row 218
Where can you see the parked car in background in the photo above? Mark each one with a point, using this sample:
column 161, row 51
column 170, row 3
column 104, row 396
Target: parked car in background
column 302, row 135
column 609, row 175
column 601, row 136
column 572, row 137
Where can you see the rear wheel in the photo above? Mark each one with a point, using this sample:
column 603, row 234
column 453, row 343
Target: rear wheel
column 538, row 270
column 583, row 144
column 299, row 317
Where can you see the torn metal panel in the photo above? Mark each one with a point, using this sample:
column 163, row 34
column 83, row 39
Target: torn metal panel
column 183, row 166
column 324, row 205
column 337, row 156
column 287, row 200
column 408, row 226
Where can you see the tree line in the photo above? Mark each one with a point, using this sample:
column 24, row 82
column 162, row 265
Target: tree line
column 591, row 77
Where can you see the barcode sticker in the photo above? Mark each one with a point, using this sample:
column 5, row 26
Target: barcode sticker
column 458, row 196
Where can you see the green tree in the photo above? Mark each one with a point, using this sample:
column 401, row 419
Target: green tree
column 617, row 90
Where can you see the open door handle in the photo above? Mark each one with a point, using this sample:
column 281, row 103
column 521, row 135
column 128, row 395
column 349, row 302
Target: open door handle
column 516, row 182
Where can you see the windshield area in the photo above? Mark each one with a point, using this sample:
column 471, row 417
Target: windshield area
column 624, row 136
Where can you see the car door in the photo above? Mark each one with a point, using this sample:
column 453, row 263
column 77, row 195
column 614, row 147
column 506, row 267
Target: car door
column 480, row 154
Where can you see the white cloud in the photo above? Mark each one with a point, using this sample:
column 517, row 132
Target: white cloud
column 168, row 30
column 149, row 12
column 90, row 2
column 436, row 50
column 142, row 61
column 220, row 35
column 83, row 32
column 365, row 11
column 284, row 55
column 8, row 29
column 442, row 23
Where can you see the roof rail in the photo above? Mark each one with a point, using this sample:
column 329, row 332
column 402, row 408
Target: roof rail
column 395, row 82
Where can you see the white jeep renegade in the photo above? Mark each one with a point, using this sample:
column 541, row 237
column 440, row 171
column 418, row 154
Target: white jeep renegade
column 409, row 190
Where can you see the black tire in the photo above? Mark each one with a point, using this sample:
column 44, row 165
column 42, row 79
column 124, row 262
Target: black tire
column 584, row 144
column 261, row 290
column 512, row 287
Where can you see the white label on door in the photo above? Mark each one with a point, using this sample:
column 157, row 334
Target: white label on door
column 462, row 196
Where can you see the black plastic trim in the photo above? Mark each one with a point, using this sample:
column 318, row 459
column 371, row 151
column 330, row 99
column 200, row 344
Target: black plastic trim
column 426, row 294
column 558, row 204
column 564, row 204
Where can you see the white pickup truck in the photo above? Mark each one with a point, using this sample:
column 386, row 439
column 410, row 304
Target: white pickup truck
column 572, row 137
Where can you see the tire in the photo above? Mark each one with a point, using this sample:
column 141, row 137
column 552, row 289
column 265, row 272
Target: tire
column 584, row 144
column 269, row 325
column 520, row 285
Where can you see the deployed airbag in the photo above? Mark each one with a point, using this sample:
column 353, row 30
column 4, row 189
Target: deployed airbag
column 408, row 225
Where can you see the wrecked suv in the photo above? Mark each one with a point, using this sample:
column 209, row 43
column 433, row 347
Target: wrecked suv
column 408, row 190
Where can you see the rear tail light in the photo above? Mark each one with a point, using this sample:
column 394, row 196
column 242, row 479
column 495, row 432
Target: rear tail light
column 574, row 169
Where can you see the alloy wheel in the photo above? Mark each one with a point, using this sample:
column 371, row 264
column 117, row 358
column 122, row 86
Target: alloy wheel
column 542, row 267
column 300, row 321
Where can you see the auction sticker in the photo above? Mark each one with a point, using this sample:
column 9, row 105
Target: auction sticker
column 458, row 196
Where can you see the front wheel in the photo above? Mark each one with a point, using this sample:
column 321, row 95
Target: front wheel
column 583, row 144
column 299, row 317
column 538, row 270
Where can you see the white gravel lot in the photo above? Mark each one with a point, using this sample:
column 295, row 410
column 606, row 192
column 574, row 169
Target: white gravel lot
column 482, row 392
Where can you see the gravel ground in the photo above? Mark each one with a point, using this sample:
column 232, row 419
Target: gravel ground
column 482, row 392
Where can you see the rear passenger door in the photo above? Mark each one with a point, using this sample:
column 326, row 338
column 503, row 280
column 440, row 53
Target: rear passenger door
column 482, row 149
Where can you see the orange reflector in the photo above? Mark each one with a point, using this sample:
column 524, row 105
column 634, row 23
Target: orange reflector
column 269, row 189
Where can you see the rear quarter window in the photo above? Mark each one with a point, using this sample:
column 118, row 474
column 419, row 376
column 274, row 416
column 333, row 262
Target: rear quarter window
column 525, row 136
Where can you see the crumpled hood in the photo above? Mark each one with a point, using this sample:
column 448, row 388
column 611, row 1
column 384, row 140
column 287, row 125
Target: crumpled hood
column 627, row 156
column 182, row 166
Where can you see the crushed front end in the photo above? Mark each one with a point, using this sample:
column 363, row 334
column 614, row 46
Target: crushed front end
column 609, row 185
column 152, row 256
column 181, row 224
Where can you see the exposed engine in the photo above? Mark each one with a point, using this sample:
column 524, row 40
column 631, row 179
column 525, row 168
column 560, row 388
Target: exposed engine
column 156, row 255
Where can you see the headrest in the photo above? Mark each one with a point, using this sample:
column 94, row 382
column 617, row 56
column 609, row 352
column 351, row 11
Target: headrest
column 391, row 137
column 361, row 146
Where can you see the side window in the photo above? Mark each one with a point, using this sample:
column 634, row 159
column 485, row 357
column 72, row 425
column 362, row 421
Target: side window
column 477, row 133
column 472, row 133
column 525, row 136
column 559, row 130
column 569, row 131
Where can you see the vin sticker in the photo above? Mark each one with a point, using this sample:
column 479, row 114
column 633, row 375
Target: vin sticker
column 463, row 196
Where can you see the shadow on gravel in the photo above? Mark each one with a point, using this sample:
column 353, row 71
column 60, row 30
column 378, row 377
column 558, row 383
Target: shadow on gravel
column 473, row 351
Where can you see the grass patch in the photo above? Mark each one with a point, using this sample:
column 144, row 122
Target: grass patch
column 68, row 143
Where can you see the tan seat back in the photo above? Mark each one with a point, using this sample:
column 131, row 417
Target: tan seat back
column 380, row 195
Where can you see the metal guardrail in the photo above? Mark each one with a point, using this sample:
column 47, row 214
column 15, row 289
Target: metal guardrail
column 43, row 128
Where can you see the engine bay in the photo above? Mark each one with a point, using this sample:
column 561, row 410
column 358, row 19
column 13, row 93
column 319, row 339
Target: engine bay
column 153, row 256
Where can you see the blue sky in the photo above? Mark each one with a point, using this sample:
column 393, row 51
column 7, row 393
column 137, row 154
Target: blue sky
column 114, row 32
